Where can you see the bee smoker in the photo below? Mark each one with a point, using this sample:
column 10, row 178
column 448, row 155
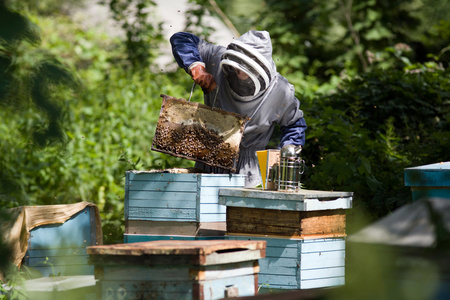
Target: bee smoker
column 286, row 173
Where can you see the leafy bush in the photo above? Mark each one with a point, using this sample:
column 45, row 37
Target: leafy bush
column 362, row 137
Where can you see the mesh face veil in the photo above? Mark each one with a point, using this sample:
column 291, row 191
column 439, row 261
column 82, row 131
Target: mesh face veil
column 246, row 71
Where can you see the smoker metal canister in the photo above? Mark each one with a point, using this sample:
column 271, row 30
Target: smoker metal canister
column 198, row 132
column 287, row 172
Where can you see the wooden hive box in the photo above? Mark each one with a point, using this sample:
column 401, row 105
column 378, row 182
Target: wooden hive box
column 300, row 263
column 300, row 214
column 60, row 249
column 181, row 204
column 429, row 181
column 213, row 269
column 304, row 231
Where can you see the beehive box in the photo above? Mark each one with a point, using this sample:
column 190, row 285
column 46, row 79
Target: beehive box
column 178, row 269
column 60, row 249
column 300, row 263
column 429, row 181
column 164, row 203
column 300, row 214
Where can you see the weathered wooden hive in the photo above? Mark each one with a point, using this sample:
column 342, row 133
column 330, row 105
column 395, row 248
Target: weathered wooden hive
column 429, row 180
column 60, row 249
column 304, row 231
column 159, row 204
column 213, row 269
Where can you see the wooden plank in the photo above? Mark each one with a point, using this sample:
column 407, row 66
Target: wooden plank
column 222, row 180
column 319, row 245
column 203, row 252
column 322, row 283
column 299, row 195
column 165, row 177
column 162, row 186
column 271, row 280
column 161, row 227
column 217, row 289
column 322, row 273
column 169, row 200
column 322, row 264
column 277, row 270
column 135, row 238
column 213, row 209
column 136, row 273
column 286, row 223
column 215, row 272
column 209, row 218
column 159, row 214
column 285, row 204
column 142, row 289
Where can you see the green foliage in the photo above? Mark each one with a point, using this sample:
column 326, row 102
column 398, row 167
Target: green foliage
column 142, row 37
column 114, row 117
column 362, row 137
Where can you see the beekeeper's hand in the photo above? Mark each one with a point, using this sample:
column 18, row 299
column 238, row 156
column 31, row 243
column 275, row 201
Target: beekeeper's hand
column 202, row 77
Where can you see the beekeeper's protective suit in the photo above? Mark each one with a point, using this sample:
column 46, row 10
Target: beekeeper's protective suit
column 249, row 85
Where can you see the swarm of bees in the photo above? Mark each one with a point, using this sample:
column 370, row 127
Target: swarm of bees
column 196, row 142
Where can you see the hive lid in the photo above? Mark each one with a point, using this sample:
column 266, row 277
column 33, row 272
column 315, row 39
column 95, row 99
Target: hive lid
column 299, row 200
column 428, row 175
column 197, row 252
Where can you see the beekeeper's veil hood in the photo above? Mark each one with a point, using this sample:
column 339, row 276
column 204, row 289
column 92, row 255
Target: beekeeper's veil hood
column 248, row 65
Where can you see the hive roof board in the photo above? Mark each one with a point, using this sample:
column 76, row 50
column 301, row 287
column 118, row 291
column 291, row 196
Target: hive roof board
column 301, row 200
column 194, row 252
column 428, row 175
column 408, row 226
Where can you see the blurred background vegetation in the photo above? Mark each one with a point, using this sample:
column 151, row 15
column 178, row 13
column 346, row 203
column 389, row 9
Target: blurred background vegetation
column 79, row 106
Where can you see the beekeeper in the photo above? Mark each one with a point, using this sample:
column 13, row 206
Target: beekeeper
column 248, row 84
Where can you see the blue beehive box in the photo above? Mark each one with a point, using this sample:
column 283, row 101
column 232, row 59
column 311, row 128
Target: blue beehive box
column 178, row 204
column 304, row 231
column 180, row 269
column 60, row 249
column 300, row 263
column 429, row 181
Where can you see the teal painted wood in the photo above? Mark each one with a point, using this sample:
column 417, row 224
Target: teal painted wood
column 188, row 201
column 432, row 175
column 213, row 289
column 162, row 214
column 430, row 193
column 135, row 238
column 303, row 200
column 161, row 196
column 300, row 264
column 176, row 281
column 61, row 248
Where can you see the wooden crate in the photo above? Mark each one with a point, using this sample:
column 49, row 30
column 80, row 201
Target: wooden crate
column 176, row 204
column 300, row 263
column 429, row 181
column 300, row 214
column 61, row 248
column 178, row 269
